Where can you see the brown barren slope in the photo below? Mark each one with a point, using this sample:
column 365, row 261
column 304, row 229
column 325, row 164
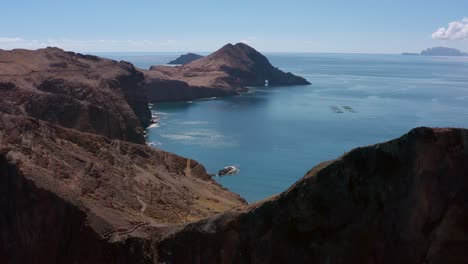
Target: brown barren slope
column 78, row 91
column 73, row 197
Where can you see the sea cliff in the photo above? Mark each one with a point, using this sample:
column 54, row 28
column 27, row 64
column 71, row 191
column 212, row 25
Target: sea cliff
column 82, row 92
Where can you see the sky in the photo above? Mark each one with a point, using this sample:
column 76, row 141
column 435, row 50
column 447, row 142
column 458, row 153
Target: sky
column 379, row 26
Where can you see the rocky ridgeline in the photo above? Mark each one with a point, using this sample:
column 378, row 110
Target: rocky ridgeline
column 82, row 92
column 403, row 201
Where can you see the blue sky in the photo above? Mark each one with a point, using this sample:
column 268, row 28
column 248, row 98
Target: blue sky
column 295, row 25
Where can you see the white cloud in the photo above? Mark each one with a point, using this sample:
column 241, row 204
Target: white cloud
column 10, row 40
column 457, row 30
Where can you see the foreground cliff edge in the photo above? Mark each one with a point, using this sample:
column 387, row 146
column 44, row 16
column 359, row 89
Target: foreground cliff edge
column 68, row 196
column 403, row 201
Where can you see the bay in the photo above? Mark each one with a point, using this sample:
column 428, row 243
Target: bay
column 276, row 134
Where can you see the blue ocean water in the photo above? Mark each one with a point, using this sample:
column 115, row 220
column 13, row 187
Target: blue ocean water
column 275, row 135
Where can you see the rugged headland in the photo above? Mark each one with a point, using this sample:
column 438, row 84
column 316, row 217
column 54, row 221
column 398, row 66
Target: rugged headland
column 72, row 193
column 227, row 71
column 186, row 58
column 82, row 92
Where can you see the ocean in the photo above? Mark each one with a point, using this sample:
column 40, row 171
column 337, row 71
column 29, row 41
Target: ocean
column 275, row 135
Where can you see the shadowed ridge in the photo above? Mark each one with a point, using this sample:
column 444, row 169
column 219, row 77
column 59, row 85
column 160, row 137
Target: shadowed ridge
column 403, row 201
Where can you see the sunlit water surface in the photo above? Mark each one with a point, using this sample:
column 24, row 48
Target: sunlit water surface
column 275, row 135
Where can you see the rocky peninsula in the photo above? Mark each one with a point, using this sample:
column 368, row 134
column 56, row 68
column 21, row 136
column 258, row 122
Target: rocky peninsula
column 227, row 71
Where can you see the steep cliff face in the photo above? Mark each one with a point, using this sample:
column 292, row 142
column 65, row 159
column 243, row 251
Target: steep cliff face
column 83, row 92
column 225, row 72
column 404, row 201
column 73, row 197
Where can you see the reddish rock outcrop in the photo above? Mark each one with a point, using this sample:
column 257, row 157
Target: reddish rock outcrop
column 73, row 197
column 83, row 92
column 404, row 201
column 227, row 71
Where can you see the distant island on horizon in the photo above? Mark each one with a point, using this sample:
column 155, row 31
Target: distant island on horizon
column 437, row 51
